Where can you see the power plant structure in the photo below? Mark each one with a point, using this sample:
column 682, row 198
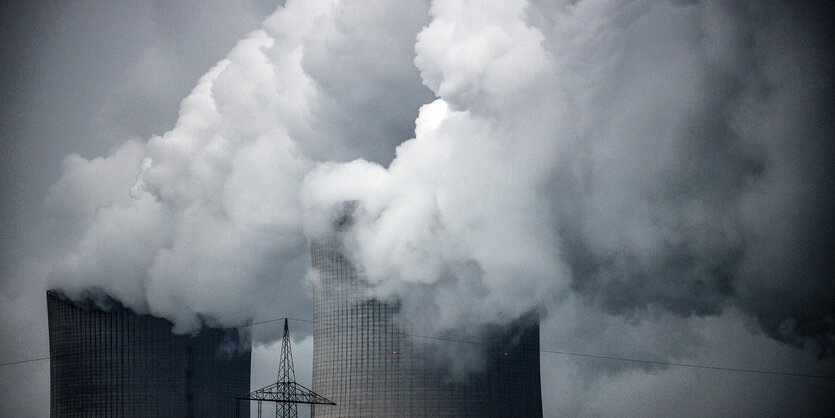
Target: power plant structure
column 286, row 393
column 106, row 360
column 114, row 362
column 367, row 364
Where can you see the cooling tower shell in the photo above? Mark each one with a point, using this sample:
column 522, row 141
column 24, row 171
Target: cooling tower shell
column 365, row 363
column 112, row 362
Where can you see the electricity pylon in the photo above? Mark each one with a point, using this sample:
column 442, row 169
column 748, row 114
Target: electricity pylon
column 285, row 392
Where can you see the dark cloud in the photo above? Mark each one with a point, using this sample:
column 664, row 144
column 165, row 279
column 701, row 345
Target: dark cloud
column 367, row 104
column 732, row 193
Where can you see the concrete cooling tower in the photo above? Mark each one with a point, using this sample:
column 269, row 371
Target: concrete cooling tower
column 115, row 363
column 365, row 362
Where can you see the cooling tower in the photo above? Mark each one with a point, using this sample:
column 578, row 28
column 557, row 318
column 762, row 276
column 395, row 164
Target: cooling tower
column 109, row 363
column 365, row 363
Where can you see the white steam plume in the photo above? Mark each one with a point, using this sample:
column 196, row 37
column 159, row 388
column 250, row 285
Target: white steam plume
column 203, row 223
column 644, row 155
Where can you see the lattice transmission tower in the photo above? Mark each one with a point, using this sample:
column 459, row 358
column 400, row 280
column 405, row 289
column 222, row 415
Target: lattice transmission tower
column 285, row 392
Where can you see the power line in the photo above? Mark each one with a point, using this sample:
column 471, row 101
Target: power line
column 595, row 356
column 24, row 361
column 695, row 366
column 664, row 363
column 547, row 351
column 160, row 340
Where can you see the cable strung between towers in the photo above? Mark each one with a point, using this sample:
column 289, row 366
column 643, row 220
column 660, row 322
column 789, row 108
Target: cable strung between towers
column 285, row 392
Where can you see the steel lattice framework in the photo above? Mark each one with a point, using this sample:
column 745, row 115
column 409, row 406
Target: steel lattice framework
column 285, row 392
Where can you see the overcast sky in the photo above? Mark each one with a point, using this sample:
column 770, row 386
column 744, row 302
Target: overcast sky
column 654, row 178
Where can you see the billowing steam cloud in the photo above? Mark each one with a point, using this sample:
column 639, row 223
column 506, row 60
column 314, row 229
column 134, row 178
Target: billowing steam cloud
column 640, row 155
column 204, row 222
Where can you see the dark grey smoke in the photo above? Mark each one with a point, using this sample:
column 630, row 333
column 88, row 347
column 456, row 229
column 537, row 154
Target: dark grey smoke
column 739, row 209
